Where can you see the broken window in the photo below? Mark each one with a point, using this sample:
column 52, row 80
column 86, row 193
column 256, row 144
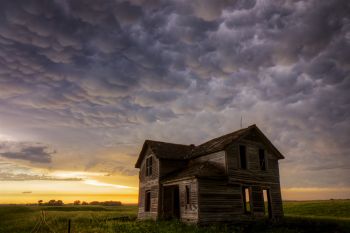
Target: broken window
column 242, row 157
column 267, row 202
column 149, row 166
column 262, row 159
column 246, row 200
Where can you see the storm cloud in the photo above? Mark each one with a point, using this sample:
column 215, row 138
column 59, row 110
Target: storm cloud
column 92, row 74
column 32, row 152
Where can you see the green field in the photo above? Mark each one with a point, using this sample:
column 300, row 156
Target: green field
column 310, row 216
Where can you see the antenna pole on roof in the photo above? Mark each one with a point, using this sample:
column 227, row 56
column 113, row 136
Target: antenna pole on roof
column 241, row 122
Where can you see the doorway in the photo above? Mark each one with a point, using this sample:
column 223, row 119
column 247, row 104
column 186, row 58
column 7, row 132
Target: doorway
column 267, row 203
column 171, row 202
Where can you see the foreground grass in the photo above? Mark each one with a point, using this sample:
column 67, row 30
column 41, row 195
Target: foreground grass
column 83, row 218
column 318, row 216
column 330, row 209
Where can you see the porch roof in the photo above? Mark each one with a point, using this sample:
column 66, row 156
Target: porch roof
column 198, row 170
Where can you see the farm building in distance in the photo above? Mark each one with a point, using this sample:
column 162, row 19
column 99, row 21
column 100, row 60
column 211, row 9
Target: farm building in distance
column 229, row 178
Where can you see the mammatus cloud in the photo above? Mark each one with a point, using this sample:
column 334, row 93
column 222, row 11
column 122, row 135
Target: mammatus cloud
column 92, row 74
column 32, row 152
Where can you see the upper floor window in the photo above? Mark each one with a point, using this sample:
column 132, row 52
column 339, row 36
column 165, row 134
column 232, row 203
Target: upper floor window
column 262, row 159
column 242, row 157
column 149, row 166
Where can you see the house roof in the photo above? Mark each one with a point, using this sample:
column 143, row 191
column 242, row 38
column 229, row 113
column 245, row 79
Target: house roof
column 217, row 144
column 167, row 150
column 221, row 142
column 199, row 170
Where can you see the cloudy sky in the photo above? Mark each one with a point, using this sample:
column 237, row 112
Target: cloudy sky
column 84, row 83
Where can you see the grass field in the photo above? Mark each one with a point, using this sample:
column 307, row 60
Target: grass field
column 310, row 216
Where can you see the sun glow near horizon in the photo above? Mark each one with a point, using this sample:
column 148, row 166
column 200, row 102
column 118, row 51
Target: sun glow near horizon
column 69, row 186
column 24, row 192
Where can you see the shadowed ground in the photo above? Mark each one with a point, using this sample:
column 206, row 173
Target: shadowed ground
column 308, row 216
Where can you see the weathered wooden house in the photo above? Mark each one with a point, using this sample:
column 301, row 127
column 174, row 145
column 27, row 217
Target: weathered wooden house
column 234, row 177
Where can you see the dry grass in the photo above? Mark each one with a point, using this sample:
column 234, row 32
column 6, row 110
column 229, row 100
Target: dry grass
column 315, row 216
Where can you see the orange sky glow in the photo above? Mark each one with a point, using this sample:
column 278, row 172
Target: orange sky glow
column 69, row 191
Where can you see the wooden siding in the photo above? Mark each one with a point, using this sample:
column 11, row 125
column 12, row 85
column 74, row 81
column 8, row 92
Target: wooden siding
column 149, row 183
column 188, row 212
column 257, row 200
column 254, row 177
column 276, row 200
column 253, row 171
column 217, row 158
column 219, row 202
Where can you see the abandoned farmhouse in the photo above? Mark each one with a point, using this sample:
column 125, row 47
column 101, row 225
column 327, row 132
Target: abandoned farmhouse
column 234, row 177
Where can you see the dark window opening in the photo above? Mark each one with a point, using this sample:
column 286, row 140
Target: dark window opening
column 188, row 192
column 262, row 159
column 242, row 157
column 148, row 201
column 267, row 202
column 246, row 200
column 149, row 166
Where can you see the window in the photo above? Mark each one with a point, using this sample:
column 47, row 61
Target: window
column 242, row 157
column 188, row 193
column 262, row 159
column 148, row 201
column 246, row 200
column 267, row 202
column 149, row 166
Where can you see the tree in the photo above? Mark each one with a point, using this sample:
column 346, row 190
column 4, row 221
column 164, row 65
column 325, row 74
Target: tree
column 94, row 203
column 51, row 202
column 40, row 202
column 84, row 203
column 59, row 202
column 111, row 203
column 77, row 202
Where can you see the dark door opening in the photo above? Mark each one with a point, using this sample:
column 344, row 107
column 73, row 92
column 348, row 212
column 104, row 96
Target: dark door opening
column 267, row 202
column 171, row 202
column 148, row 201
column 176, row 202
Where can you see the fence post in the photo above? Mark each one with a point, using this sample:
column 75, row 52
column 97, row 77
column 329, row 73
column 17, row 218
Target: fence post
column 69, row 225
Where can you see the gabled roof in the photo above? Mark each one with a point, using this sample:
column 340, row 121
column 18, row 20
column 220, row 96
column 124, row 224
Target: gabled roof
column 219, row 143
column 199, row 170
column 165, row 150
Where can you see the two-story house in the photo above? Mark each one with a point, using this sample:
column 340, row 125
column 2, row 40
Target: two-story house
column 234, row 177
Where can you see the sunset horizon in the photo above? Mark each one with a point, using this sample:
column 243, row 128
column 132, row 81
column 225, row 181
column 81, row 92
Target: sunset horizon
column 293, row 194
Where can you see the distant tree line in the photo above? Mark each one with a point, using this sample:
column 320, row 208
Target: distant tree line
column 78, row 202
column 51, row 203
column 104, row 203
